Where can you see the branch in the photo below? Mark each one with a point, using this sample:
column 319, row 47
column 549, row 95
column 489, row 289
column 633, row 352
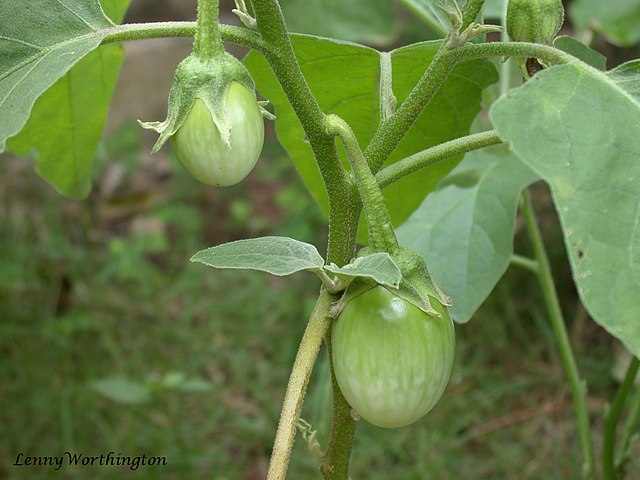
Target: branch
column 310, row 345
column 391, row 132
column 343, row 202
column 143, row 31
column 439, row 153
column 381, row 234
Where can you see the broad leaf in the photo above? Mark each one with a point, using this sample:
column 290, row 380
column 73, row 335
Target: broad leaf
column 581, row 51
column 67, row 121
column 378, row 266
column 465, row 228
column 370, row 21
column 627, row 76
column 618, row 20
column 275, row 255
column 582, row 136
column 436, row 12
column 345, row 78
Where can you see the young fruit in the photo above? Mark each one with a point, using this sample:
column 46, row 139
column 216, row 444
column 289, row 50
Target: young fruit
column 392, row 360
column 536, row 21
column 203, row 152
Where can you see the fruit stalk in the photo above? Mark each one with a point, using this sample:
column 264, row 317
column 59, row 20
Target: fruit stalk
column 208, row 42
column 382, row 237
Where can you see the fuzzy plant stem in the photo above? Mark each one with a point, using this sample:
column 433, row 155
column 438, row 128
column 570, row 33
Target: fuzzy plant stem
column 382, row 237
column 208, row 42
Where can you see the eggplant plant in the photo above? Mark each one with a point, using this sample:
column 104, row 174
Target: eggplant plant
column 420, row 172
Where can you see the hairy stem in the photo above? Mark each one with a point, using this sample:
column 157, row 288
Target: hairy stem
column 303, row 365
column 550, row 296
column 381, row 234
column 439, row 153
column 344, row 210
column 343, row 201
column 611, row 421
column 391, row 132
column 143, row 31
column 335, row 464
column 207, row 42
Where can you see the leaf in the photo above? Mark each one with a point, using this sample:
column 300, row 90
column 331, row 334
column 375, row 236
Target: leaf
column 465, row 228
column 275, row 255
column 345, row 78
column 67, row 121
column 582, row 137
column 617, row 20
column 442, row 12
column 122, row 390
column 627, row 76
column 377, row 266
column 195, row 385
column 369, row 21
column 581, row 51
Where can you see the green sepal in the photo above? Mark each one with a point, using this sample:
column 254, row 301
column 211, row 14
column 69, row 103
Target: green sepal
column 204, row 79
column 416, row 287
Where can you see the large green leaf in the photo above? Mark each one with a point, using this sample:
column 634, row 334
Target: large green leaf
column 41, row 42
column 465, row 228
column 345, row 78
column 618, row 20
column 275, row 255
column 370, row 21
column 579, row 129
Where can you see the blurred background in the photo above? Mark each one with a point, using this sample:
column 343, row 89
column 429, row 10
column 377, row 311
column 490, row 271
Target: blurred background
column 111, row 340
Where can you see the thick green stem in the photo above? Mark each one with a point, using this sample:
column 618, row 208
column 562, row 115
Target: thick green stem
column 344, row 210
column 381, row 234
column 343, row 201
column 310, row 345
column 551, row 55
column 143, row 31
column 439, row 153
column 550, row 296
column 208, row 42
column 611, row 422
column 335, row 464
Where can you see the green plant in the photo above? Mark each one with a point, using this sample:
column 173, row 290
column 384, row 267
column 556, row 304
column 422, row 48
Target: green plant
column 387, row 145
